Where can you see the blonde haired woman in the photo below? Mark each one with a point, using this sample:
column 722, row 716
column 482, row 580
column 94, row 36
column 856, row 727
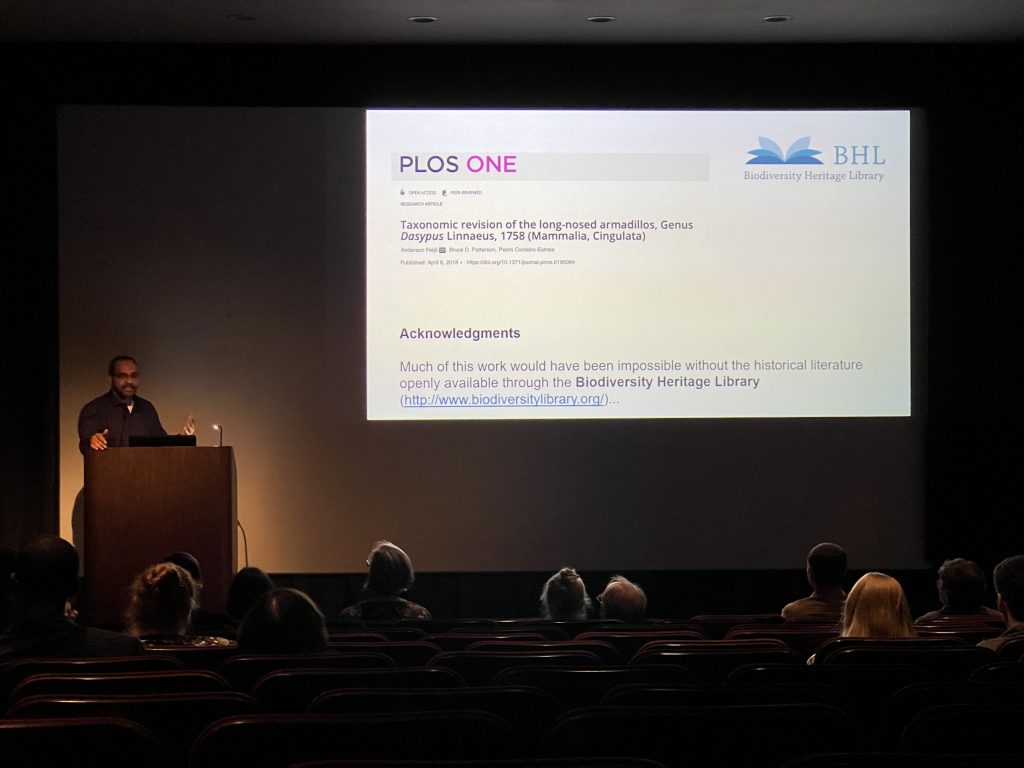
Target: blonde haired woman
column 876, row 607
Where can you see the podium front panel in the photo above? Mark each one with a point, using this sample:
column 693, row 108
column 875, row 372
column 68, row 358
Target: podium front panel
column 142, row 504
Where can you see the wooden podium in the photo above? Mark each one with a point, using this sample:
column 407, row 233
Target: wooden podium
column 142, row 504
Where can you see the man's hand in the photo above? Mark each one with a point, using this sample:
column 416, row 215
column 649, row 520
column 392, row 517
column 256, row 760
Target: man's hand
column 190, row 426
column 98, row 442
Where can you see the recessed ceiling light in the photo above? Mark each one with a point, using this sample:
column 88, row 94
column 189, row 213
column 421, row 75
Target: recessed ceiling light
column 423, row 19
column 777, row 18
column 241, row 17
column 600, row 19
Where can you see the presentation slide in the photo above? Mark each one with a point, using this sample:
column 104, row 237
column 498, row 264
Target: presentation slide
column 613, row 264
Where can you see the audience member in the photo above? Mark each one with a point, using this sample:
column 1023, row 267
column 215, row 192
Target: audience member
column 248, row 586
column 826, row 569
column 623, row 600
column 162, row 601
column 962, row 589
column 564, row 597
column 390, row 575
column 45, row 578
column 1008, row 578
column 283, row 621
column 187, row 561
column 877, row 608
column 203, row 621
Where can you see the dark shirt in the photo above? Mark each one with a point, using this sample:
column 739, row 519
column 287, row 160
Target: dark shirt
column 59, row 637
column 828, row 605
column 109, row 412
column 982, row 612
column 995, row 643
column 385, row 608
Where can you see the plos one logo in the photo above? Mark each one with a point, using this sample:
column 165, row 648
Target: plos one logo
column 770, row 153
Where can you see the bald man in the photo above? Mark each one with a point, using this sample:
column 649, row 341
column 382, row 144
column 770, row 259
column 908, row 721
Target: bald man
column 623, row 600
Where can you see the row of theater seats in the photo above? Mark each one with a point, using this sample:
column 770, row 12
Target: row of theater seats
column 533, row 697
column 710, row 626
column 223, row 729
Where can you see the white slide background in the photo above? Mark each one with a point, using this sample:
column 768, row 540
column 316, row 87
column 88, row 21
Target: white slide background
column 732, row 285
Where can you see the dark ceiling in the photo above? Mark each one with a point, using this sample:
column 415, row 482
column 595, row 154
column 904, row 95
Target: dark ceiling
column 513, row 21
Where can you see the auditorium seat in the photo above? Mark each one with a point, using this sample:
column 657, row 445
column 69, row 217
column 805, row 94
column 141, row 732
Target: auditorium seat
column 716, row 625
column 354, row 636
column 79, row 742
column 801, row 638
column 481, row 667
column 721, row 694
column 984, row 619
column 242, row 672
column 168, row 681
column 198, row 657
column 546, row 630
column 964, row 728
column 292, row 690
column 175, row 719
column 754, row 736
column 278, row 741
column 14, row 672
column 866, row 687
column 753, row 644
column 460, row 641
column 530, row 711
column 628, row 642
column 604, row 651
column 396, row 633
column 999, row 672
column 903, row 760
column 571, row 629
column 537, row 762
column 972, row 634
column 440, row 626
column 829, row 647
column 587, row 686
column 405, row 653
column 712, row 665
column 947, row 663
column 909, row 701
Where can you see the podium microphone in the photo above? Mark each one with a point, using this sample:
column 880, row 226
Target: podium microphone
column 220, row 434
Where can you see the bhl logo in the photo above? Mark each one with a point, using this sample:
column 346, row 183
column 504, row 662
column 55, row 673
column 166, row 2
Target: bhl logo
column 858, row 154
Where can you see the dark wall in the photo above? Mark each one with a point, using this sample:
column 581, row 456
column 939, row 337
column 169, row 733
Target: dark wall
column 670, row 594
column 973, row 127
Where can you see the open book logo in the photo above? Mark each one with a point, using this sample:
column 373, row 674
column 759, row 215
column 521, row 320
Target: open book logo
column 770, row 153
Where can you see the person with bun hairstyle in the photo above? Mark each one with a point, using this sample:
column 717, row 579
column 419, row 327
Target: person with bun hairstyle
column 163, row 599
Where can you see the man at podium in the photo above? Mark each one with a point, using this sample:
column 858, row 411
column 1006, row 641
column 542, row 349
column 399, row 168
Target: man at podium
column 110, row 419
